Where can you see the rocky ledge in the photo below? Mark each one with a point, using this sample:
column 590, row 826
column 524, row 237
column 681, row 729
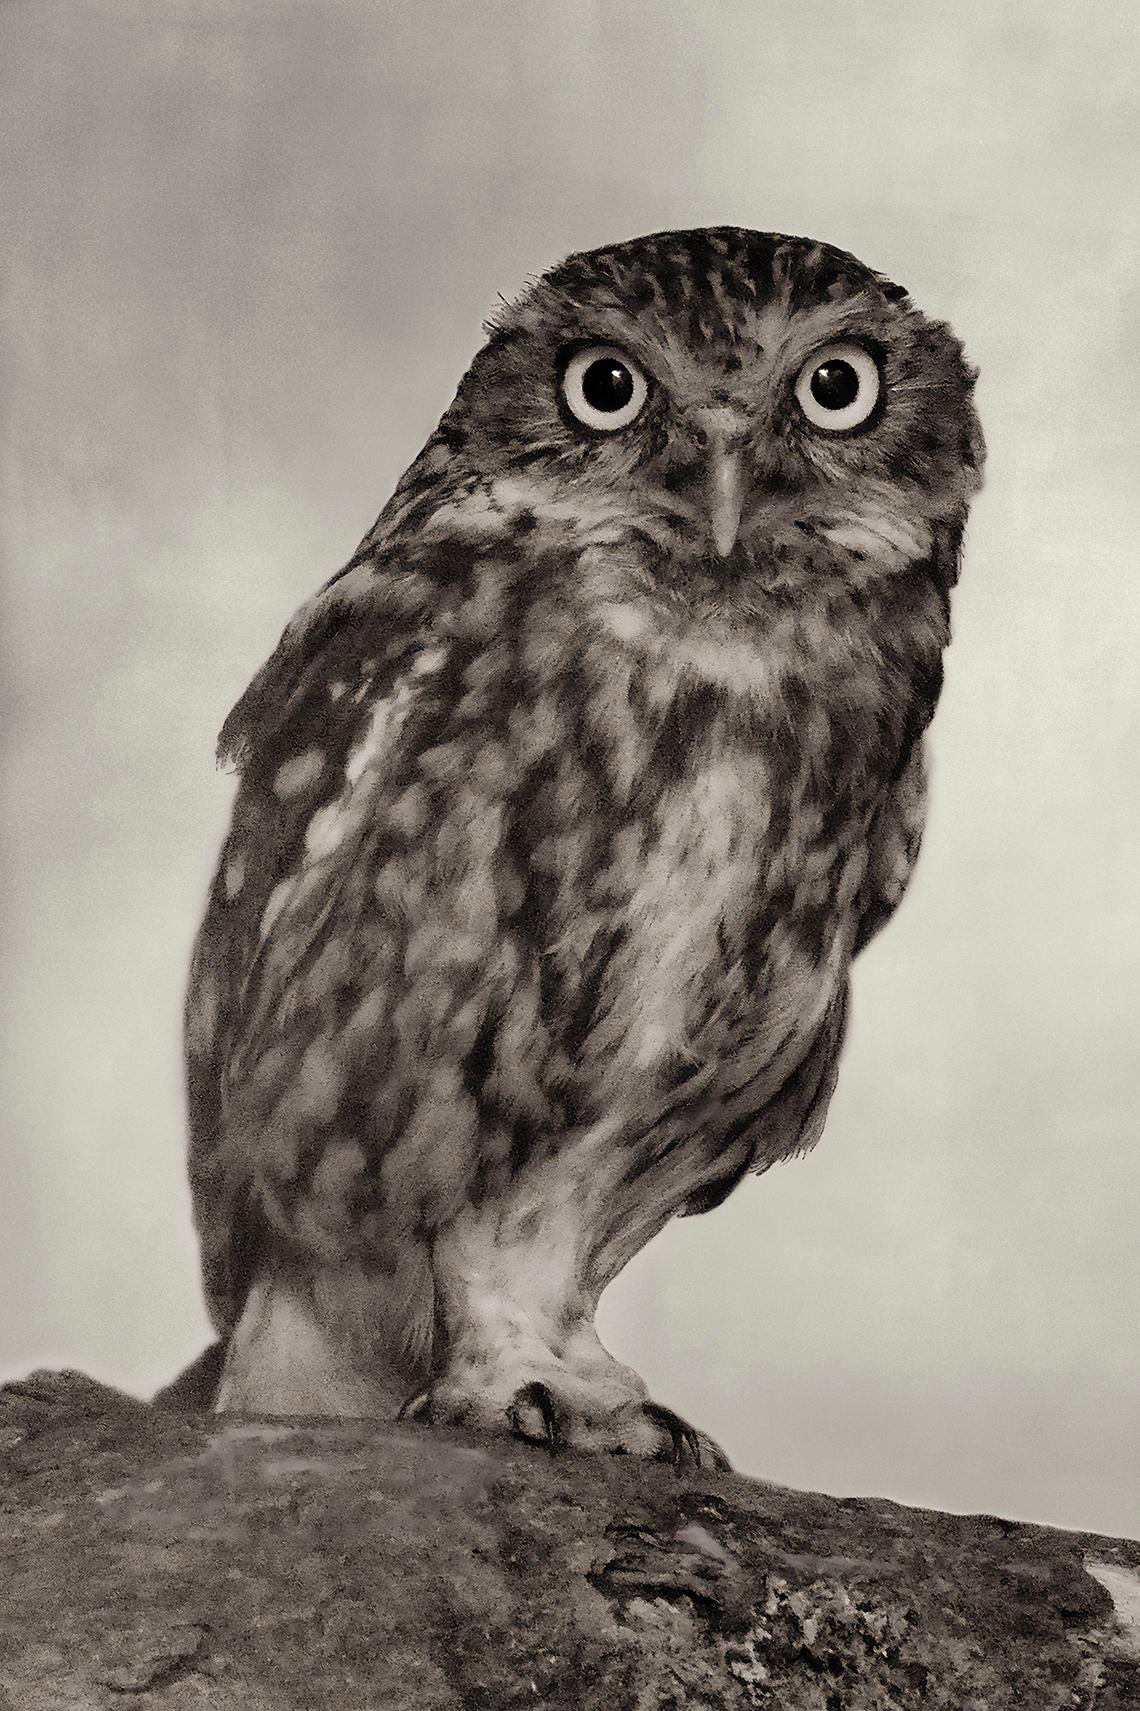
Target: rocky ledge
column 153, row 1559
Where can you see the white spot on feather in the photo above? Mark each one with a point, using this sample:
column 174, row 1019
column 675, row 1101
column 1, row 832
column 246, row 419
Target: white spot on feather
column 387, row 716
column 593, row 518
column 297, row 774
column 277, row 900
column 233, row 877
column 429, row 660
column 333, row 822
column 472, row 513
column 737, row 665
column 891, row 540
column 624, row 622
column 325, row 830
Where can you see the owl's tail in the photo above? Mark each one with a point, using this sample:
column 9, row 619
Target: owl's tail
column 195, row 1389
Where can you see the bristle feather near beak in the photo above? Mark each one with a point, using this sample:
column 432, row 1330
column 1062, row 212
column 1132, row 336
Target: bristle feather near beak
column 727, row 483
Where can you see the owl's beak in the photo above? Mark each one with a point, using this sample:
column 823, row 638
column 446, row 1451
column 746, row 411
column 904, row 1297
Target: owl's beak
column 714, row 473
column 727, row 483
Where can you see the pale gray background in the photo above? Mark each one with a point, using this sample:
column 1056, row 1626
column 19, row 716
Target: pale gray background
column 248, row 251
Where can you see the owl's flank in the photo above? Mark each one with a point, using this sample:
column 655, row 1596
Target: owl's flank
column 564, row 808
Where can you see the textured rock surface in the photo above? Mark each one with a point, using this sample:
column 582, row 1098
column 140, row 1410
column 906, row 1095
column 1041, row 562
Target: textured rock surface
column 151, row 1559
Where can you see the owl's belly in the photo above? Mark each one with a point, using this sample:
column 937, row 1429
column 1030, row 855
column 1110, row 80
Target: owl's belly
column 715, row 1026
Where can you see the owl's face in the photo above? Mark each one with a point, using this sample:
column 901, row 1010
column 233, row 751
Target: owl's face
column 748, row 413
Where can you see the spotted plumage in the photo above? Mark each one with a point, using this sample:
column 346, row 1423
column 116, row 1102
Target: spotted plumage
column 563, row 810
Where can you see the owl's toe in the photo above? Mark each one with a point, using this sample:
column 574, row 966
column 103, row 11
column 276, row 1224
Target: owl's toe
column 535, row 1416
column 541, row 1415
column 566, row 1415
column 417, row 1407
column 683, row 1443
column 713, row 1458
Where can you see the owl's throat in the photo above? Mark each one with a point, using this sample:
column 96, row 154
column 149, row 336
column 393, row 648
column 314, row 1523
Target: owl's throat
column 712, row 571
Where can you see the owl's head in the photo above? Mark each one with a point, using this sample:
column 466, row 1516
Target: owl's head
column 753, row 409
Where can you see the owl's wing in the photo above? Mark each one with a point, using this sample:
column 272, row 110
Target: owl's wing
column 314, row 716
column 896, row 832
column 894, row 844
column 755, row 1136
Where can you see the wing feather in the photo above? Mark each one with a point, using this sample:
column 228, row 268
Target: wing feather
column 295, row 736
column 894, row 845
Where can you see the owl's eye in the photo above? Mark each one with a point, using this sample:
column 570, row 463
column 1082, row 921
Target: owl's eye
column 839, row 386
column 603, row 387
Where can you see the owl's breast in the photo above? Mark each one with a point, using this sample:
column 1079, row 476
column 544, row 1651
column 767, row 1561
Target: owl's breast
column 733, row 920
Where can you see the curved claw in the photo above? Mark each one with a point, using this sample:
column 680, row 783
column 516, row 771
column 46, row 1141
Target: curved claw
column 683, row 1440
column 417, row 1407
column 538, row 1397
column 717, row 1458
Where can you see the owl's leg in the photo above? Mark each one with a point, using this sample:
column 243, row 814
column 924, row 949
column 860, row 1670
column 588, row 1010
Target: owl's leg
column 517, row 1350
column 323, row 1342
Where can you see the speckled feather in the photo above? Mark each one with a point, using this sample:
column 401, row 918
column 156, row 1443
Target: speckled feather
column 556, row 832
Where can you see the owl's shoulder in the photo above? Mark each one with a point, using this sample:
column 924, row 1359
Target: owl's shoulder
column 353, row 637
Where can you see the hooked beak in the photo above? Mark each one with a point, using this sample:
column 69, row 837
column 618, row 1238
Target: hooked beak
column 721, row 433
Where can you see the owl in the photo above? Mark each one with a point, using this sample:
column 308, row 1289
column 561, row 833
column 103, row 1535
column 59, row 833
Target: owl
column 563, row 809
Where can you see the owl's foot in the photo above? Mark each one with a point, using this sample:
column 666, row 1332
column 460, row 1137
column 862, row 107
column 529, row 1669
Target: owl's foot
column 538, row 1414
column 536, row 1417
column 518, row 1350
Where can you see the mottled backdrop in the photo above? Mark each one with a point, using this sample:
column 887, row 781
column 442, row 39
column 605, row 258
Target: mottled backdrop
column 247, row 250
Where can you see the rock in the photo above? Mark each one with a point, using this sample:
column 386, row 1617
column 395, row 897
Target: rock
column 153, row 1559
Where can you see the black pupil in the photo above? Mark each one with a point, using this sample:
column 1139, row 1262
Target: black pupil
column 835, row 385
column 607, row 384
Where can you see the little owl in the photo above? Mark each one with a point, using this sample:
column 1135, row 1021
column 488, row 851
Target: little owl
column 563, row 809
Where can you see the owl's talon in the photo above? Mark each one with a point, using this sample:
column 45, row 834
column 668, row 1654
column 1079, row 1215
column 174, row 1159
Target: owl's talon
column 538, row 1397
column 683, row 1439
column 716, row 1457
column 417, row 1408
column 542, row 1414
